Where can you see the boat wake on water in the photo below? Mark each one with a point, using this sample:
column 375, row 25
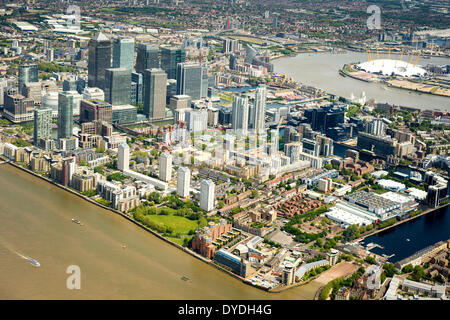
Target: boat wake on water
column 34, row 262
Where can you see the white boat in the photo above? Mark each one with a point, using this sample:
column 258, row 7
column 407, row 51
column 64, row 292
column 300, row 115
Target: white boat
column 34, row 262
column 76, row 221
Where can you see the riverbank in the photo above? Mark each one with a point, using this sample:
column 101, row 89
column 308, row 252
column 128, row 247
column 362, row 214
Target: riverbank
column 322, row 71
column 398, row 84
column 184, row 249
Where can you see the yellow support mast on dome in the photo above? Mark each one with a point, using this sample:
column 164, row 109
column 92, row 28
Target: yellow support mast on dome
column 401, row 55
column 417, row 59
column 410, row 58
column 389, row 54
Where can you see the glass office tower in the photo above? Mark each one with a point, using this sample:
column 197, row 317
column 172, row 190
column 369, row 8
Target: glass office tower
column 99, row 60
column 117, row 86
column 170, row 59
column 189, row 80
column 147, row 57
column 123, row 53
column 155, row 87
column 27, row 73
column 136, row 88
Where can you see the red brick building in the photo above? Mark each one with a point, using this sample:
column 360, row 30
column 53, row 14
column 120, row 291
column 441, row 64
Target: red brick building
column 204, row 238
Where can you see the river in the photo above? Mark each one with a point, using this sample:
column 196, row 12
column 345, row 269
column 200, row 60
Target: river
column 321, row 70
column 36, row 222
column 409, row 237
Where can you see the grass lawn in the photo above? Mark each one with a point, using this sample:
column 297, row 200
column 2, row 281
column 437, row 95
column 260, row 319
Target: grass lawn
column 162, row 123
column 248, row 39
column 179, row 240
column 179, row 224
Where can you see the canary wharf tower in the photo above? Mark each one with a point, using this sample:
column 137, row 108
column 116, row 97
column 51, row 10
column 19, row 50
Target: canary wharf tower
column 99, row 60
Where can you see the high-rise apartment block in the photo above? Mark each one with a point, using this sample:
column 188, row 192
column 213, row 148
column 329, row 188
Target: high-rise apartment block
column 207, row 193
column 257, row 117
column 376, row 127
column 42, row 124
column 165, row 167
column 183, row 181
column 123, row 157
column 239, row 117
column 65, row 115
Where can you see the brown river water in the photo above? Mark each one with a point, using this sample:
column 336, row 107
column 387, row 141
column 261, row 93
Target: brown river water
column 35, row 221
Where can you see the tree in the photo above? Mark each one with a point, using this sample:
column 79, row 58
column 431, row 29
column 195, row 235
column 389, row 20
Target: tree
column 319, row 242
column 254, row 193
column 389, row 269
column 352, row 232
column 155, row 197
column 408, row 268
column 370, row 260
column 418, row 273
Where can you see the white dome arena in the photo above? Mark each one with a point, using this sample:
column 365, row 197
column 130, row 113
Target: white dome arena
column 390, row 66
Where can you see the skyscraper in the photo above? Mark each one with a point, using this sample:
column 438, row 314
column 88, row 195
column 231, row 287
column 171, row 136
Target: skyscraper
column 42, row 124
column 123, row 53
column 137, row 82
column 65, row 115
column 205, row 82
column 147, row 57
column 117, row 86
column 239, row 117
column 170, row 59
column 99, row 60
column 259, row 110
column 207, row 190
column 27, row 73
column 183, row 181
column 189, row 80
column 154, row 93
column 165, row 166
column 123, row 157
